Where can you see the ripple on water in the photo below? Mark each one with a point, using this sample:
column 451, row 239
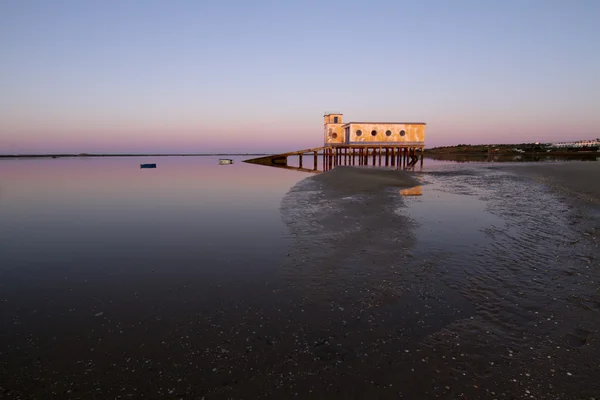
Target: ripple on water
column 482, row 280
column 517, row 252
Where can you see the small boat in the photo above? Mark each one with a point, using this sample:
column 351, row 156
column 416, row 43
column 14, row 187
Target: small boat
column 147, row 165
column 225, row 161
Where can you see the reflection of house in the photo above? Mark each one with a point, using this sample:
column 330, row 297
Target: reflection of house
column 384, row 134
column 413, row 191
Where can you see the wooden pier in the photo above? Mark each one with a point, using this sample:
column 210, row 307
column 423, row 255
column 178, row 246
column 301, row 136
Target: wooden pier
column 396, row 156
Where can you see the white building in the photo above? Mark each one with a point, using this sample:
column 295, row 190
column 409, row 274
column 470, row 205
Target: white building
column 577, row 144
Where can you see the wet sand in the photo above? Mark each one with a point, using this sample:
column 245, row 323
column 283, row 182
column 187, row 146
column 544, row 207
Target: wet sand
column 485, row 287
column 499, row 302
column 354, row 180
column 580, row 179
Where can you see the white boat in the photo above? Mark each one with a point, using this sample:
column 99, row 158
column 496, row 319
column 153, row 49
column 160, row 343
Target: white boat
column 225, row 161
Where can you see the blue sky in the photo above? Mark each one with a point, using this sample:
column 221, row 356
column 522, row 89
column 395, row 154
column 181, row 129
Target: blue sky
column 203, row 76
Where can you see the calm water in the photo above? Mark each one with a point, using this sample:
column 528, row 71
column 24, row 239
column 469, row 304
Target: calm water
column 107, row 216
column 195, row 280
column 91, row 249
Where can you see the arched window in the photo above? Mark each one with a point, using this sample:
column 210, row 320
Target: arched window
column 402, row 132
column 358, row 132
column 373, row 133
column 388, row 133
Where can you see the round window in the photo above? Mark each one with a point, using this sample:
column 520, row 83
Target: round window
column 358, row 132
column 334, row 135
column 373, row 133
column 402, row 133
column 388, row 133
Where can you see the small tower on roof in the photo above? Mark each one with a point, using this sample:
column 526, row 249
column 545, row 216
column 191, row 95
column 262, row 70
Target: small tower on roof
column 333, row 118
column 333, row 128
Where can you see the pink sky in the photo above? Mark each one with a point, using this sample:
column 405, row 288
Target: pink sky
column 257, row 76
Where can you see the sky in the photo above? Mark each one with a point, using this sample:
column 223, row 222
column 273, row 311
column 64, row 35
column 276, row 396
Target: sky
column 201, row 76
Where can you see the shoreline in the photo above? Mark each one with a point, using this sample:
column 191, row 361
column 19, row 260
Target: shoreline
column 500, row 281
column 127, row 155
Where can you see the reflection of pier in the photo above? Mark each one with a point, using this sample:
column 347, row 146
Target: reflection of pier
column 327, row 157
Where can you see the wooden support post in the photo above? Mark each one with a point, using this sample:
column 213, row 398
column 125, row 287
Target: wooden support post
column 401, row 157
column 422, row 153
column 330, row 158
column 316, row 160
column 331, row 164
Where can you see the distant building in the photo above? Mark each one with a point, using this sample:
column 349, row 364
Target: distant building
column 384, row 134
column 576, row 144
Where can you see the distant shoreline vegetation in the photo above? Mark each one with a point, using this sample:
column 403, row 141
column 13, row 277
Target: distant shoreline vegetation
column 515, row 149
column 555, row 149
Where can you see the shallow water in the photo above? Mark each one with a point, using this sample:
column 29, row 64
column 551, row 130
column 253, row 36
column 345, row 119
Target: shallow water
column 198, row 280
column 532, row 274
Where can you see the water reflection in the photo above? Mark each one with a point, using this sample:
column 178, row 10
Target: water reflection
column 107, row 214
column 413, row 191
